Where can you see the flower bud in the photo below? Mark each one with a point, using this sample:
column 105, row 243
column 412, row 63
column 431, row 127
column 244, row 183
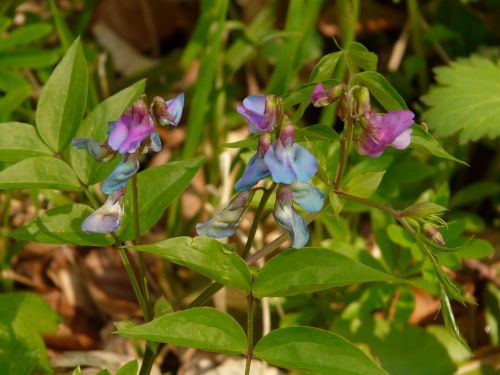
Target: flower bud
column 287, row 134
column 168, row 112
column 322, row 97
column 434, row 234
column 139, row 109
column 363, row 101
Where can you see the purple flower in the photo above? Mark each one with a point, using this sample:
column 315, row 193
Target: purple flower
column 380, row 131
column 256, row 168
column 288, row 161
column 106, row 219
column 168, row 112
column 262, row 112
column 224, row 223
column 127, row 134
column 322, row 97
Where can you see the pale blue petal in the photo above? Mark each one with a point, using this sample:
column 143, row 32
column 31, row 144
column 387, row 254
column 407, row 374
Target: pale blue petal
column 279, row 161
column 97, row 150
column 304, row 163
column 255, row 103
column 155, row 142
column 292, row 222
column 307, row 196
column 255, row 171
column 120, row 175
column 174, row 108
column 105, row 219
column 216, row 229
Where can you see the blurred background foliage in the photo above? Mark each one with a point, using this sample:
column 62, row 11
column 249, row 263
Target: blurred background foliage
column 443, row 56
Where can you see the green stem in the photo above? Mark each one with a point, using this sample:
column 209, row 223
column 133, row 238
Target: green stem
column 140, row 255
column 415, row 23
column 4, row 251
column 368, row 202
column 256, row 220
column 206, row 294
column 345, row 144
column 250, row 320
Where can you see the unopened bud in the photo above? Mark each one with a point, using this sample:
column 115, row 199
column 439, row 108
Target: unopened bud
column 363, row 101
column 139, row 108
column 322, row 97
column 287, row 133
column 168, row 112
column 434, row 234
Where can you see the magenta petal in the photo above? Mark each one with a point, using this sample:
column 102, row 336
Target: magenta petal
column 136, row 135
column 393, row 123
column 118, row 135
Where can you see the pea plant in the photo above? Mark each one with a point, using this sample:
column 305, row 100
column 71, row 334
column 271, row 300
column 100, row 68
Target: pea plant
column 306, row 176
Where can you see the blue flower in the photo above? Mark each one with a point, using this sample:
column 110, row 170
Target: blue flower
column 288, row 161
column 256, row 168
column 308, row 197
column 119, row 177
column 224, row 223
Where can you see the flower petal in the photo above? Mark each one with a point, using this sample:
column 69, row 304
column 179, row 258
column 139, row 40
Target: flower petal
column 403, row 140
column 120, row 175
column 155, row 142
column 290, row 220
column 136, row 134
column 290, row 163
column 174, row 109
column 304, row 163
column 255, row 171
column 225, row 223
column 105, row 219
column 255, row 103
column 309, row 197
column 393, row 123
column 100, row 152
column 118, row 131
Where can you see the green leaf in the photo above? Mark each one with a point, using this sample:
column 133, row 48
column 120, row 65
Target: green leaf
column 465, row 100
column 95, row 126
column 423, row 141
column 61, row 225
column 158, row 187
column 162, row 307
column 249, row 142
column 26, row 34
column 423, row 209
column 24, row 317
column 313, row 349
column 449, row 320
column 206, row 256
column 29, row 58
column 316, row 132
column 129, row 368
column 382, row 90
column 474, row 192
column 325, row 67
column 20, row 141
column 43, row 172
column 358, row 56
column 63, row 98
column 365, row 184
column 202, row 328
column 299, row 271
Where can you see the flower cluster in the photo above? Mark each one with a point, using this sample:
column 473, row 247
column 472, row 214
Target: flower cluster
column 289, row 165
column 132, row 135
column 375, row 132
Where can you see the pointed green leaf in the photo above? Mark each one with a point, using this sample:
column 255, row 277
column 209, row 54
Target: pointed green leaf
column 316, row 350
column 43, row 172
column 382, row 90
column 25, row 34
column 61, row 225
column 129, row 368
column 202, row 328
column 423, row 141
column 449, row 320
column 298, row 271
column 63, row 98
column 29, row 58
column 20, row 141
column 358, row 56
column 325, row 67
column 158, row 187
column 95, row 126
column 365, row 184
column 206, row 256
